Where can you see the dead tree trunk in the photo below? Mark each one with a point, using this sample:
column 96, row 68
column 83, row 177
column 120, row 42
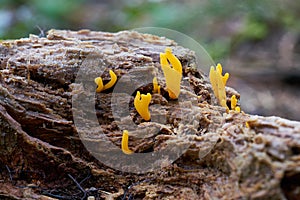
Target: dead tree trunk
column 217, row 155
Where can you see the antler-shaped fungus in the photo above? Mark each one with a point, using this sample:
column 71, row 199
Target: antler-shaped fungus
column 172, row 74
column 218, row 83
column 141, row 104
column 111, row 83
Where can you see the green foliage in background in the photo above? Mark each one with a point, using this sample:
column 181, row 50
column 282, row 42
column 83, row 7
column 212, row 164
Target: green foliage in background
column 216, row 24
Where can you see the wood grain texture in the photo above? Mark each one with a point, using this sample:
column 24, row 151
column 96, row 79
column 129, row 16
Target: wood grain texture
column 40, row 145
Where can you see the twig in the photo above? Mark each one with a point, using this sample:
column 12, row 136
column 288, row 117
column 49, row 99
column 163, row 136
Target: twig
column 79, row 186
column 86, row 178
column 55, row 195
column 42, row 33
column 9, row 172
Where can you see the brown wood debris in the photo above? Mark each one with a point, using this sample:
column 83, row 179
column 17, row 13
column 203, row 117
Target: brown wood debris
column 227, row 156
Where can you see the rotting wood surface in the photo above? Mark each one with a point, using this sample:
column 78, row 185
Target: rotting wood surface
column 42, row 155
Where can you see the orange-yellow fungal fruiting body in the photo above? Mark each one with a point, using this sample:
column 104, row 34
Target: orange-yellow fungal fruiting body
column 234, row 103
column 172, row 74
column 156, row 87
column 141, row 104
column 124, row 143
column 218, row 82
column 247, row 124
column 111, row 83
column 99, row 83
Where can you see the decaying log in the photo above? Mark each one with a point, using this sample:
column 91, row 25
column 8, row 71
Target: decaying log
column 228, row 155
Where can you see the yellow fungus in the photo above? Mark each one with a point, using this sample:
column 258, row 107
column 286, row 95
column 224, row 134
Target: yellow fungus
column 141, row 104
column 156, row 87
column 99, row 82
column 113, row 80
column 218, row 82
column 172, row 74
column 234, row 103
column 247, row 125
column 124, row 143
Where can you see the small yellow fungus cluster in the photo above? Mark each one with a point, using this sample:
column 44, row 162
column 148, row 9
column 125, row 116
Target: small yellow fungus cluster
column 111, row 83
column 124, row 143
column 234, row 103
column 172, row 74
column 141, row 104
column 218, row 82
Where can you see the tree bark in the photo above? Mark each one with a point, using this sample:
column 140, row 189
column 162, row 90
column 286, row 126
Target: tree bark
column 43, row 154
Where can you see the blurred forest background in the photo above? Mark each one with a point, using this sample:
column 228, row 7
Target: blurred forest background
column 257, row 41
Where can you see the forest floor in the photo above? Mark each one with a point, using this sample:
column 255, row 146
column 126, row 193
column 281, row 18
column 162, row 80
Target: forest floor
column 267, row 75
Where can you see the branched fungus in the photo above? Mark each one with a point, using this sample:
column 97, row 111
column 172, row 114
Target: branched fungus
column 141, row 104
column 111, row 83
column 218, row 82
column 124, row 143
column 173, row 74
